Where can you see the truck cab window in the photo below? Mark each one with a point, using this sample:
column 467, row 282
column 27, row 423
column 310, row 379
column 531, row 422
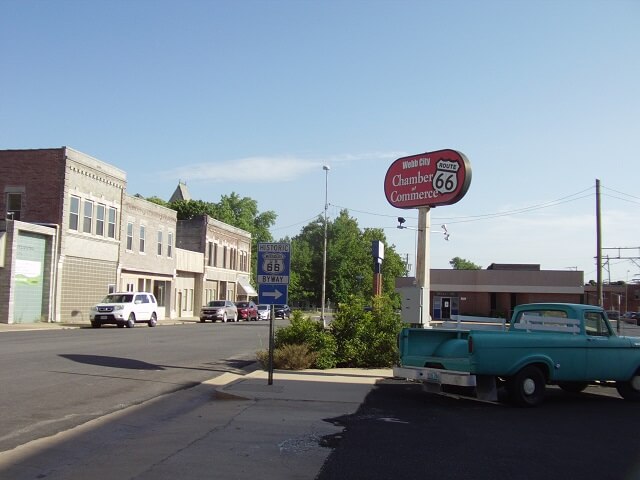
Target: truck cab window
column 594, row 324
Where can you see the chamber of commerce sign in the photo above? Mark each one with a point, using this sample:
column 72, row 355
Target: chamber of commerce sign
column 428, row 179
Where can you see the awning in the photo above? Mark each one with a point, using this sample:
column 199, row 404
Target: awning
column 246, row 287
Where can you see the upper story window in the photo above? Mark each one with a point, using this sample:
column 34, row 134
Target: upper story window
column 129, row 236
column 87, row 222
column 170, row 245
column 100, row 210
column 74, row 212
column 142, row 238
column 111, row 223
column 159, row 242
column 210, row 254
column 14, row 205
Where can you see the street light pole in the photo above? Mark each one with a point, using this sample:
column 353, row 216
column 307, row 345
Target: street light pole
column 324, row 254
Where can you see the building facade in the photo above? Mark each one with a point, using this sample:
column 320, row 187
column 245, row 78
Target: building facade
column 80, row 199
column 226, row 255
column 147, row 251
column 71, row 234
column 495, row 291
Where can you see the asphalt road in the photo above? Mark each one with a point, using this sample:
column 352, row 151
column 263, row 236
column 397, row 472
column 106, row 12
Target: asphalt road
column 400, row 432
column 53, row 380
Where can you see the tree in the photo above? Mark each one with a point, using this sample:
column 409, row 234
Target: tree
column 158, row 201
column 187, row 209
column 458, row 263
column 240, row 212
column 349, row 262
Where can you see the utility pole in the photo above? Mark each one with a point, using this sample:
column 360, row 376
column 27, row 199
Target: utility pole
column 598, row 246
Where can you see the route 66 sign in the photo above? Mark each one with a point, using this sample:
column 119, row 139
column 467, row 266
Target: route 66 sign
column 273, row 263
column 428, row 179
column 445, row 179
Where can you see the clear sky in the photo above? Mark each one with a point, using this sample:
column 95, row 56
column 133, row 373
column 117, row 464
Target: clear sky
column 254, row 97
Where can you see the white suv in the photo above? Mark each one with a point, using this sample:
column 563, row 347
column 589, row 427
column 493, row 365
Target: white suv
column 125, row 309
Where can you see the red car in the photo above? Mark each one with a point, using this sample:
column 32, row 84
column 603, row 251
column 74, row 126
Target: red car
column 247, row 311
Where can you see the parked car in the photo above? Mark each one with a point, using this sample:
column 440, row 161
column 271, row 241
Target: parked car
column 282, row 311
column 125, row 309
column 613, row 314
column 247, row 311
column 264, row 312
column 223, row 310
column 631, row 317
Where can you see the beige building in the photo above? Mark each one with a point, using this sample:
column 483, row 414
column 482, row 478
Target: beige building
column 226, row 261
column 147, row 250
column 79, row 198
column 71, row 235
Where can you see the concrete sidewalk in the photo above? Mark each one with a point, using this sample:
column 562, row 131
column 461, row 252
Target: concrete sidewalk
column 231, row 427
column 20, row 327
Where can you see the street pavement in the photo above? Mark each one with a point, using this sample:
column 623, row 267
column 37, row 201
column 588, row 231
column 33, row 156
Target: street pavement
column 230, row 427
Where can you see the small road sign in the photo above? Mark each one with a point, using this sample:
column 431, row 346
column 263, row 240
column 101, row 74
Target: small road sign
column 272, row 294
column 274, row 263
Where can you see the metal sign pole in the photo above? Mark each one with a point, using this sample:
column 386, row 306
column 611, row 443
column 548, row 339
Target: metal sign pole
column 271, row 319
column 423, row 268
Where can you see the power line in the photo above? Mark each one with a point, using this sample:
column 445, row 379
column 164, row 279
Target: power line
column 621, row 193
column 297, row 223
column 472, row 218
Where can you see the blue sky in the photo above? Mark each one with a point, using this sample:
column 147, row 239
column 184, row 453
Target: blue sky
column 254, row 97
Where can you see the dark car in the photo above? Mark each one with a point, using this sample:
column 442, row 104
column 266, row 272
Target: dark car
column 613, row 314
column 247, row 311
column 282, row 311
column 632, row 317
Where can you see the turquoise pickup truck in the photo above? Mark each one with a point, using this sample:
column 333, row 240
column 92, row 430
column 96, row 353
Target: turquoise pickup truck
column 564, row 344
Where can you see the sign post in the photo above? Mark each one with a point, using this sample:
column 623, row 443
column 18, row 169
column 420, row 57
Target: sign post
column 425, row 181
column 273, row 271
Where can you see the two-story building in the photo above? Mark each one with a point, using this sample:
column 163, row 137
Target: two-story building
column 57, row 273
column 147, row 251
column 71, row 234
column 226, row 256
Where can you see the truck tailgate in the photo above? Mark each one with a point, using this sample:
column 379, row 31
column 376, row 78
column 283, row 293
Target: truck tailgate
column 443, row 349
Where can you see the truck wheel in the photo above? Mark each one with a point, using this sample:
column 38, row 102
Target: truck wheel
column 526, row 388
column 630, row 390
column 573, row 387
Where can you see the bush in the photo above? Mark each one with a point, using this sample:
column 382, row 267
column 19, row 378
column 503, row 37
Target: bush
column 366, row 339
column 356, row 338
column 304, row 331
column 289, row 357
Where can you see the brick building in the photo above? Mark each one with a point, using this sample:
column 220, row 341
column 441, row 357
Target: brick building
column 496, row 290
column 71, row 234
column 80, row 199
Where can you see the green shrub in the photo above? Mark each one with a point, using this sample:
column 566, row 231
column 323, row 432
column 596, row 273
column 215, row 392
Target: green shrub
column 366, row 339
column 356, row 338
column 289, row 357
column 304, row 331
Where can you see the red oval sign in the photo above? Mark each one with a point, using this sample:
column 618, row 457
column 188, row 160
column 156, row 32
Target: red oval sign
column 428, row 179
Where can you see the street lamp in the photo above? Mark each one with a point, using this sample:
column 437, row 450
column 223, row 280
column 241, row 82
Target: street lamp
column 324, row 254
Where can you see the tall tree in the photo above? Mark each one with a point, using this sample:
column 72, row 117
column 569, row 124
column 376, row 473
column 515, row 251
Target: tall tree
column 458, row 263
column 240, row 212
column 349, row 262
